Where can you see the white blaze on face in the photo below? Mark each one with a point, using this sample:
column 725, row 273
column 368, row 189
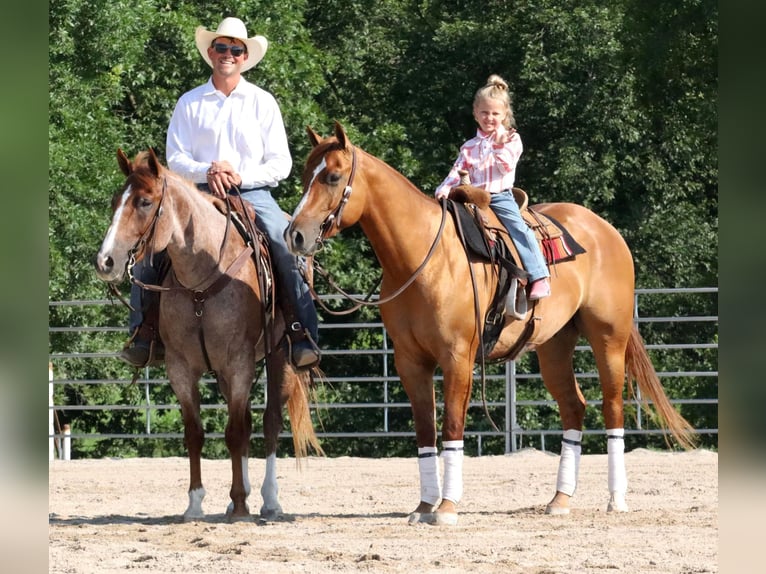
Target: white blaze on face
column 317, row 170
column 108, row 245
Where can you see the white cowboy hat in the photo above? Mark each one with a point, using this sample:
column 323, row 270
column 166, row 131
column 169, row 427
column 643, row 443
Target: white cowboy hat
column 232, row 28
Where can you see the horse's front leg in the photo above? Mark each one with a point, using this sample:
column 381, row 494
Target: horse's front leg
column 419, row 386
column 458, row 381
column 187, row 392
column 238, row 429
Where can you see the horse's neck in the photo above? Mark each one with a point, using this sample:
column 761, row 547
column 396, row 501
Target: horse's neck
column 400, row 222
column 198, row 233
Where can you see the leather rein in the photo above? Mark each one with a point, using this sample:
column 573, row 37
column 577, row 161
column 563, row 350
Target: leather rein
column 334, row 219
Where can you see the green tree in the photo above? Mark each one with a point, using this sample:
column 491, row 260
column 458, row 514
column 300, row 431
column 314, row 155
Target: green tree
column 616, row 103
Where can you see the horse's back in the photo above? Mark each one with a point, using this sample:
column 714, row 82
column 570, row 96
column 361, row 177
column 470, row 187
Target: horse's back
column 603, row 277
column 584, row 225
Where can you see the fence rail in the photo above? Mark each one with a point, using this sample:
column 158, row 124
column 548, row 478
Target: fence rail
column 512, row 431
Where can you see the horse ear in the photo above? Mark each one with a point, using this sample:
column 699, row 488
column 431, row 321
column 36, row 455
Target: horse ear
column 340, row 133
column 314, row 137
column 125, row 166
column 154, row 163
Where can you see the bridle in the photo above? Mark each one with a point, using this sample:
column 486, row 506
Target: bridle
column 140, row 245
column 334, row 218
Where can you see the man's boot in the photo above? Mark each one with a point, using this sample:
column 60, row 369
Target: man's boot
column 144, row 348
column 304, row 352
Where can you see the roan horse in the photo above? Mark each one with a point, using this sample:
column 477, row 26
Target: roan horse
column 430, row 325
column 211, row 319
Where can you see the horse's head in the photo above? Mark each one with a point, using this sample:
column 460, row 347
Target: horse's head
column 327, row 205
column 136, row 207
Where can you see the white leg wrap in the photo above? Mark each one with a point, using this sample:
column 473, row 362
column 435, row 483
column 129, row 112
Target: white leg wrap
column 615, row 449
column 430, row 485
column 452, row 456
column 569, row 465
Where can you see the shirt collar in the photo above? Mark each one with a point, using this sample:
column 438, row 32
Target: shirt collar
column 242, row 88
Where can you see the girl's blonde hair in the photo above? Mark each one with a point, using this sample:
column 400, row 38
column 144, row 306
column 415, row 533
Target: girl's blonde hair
column 496, row 88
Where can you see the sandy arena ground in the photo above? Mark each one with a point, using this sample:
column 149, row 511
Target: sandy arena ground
column 350, row 515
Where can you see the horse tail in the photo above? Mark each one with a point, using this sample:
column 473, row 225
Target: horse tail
column 639, row 368
column 304, row 437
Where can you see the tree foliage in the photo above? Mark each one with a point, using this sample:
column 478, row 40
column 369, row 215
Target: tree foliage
column 616, row 103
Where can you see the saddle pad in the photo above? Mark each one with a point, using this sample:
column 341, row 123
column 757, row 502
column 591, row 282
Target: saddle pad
column 559, row 247
column 556, row 242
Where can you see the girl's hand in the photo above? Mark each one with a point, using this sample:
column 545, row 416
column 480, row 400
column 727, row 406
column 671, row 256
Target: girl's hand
column 502, row 136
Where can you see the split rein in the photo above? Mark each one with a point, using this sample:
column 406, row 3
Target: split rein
column 334, row 218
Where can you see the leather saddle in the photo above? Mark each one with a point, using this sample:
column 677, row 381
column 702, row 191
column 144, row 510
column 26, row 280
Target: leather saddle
column 545, row 227
column 243, row 218
column 469, row 206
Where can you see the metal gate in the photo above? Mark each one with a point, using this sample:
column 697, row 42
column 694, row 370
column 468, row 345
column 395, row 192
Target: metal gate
column 390, row 404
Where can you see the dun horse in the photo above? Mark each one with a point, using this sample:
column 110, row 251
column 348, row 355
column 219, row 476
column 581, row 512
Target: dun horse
column 211, row 319
column 431, row 324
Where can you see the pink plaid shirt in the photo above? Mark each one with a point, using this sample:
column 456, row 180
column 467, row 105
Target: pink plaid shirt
column 491, row 167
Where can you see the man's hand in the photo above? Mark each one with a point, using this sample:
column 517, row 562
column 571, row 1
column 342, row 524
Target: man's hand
column 221, row 177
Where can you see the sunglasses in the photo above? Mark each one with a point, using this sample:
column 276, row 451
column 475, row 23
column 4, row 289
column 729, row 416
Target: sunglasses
column 236, row 51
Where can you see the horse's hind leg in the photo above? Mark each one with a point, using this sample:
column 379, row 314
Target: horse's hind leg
column 555, row 358
column 277, row 393
column 609, row 353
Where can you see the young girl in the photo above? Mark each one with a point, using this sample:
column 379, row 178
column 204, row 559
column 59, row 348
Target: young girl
column 490, row 159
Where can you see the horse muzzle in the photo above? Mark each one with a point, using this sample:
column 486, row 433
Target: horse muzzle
column 106, row 270
column 299, row 243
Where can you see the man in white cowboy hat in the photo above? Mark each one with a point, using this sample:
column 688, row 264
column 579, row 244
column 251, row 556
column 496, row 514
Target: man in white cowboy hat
column 227, row 135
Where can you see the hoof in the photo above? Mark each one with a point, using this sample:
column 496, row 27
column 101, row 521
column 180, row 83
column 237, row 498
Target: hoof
column 239, row 516
column 557, row 510
column 415, row 518
column 193, row 516
column 271, row 514
column 433, row 518
column 559, row 504
column 445, row 518
column 617, row 503
column 231, row 518
column 423, row 514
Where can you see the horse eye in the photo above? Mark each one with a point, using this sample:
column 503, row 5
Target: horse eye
column 333, row 178
column 144, row 202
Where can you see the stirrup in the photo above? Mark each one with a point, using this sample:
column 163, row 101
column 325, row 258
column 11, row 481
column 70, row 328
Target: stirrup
column 139, row 352
column 302, row 352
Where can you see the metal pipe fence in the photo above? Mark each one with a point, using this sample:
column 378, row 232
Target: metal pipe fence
column 510, row 397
